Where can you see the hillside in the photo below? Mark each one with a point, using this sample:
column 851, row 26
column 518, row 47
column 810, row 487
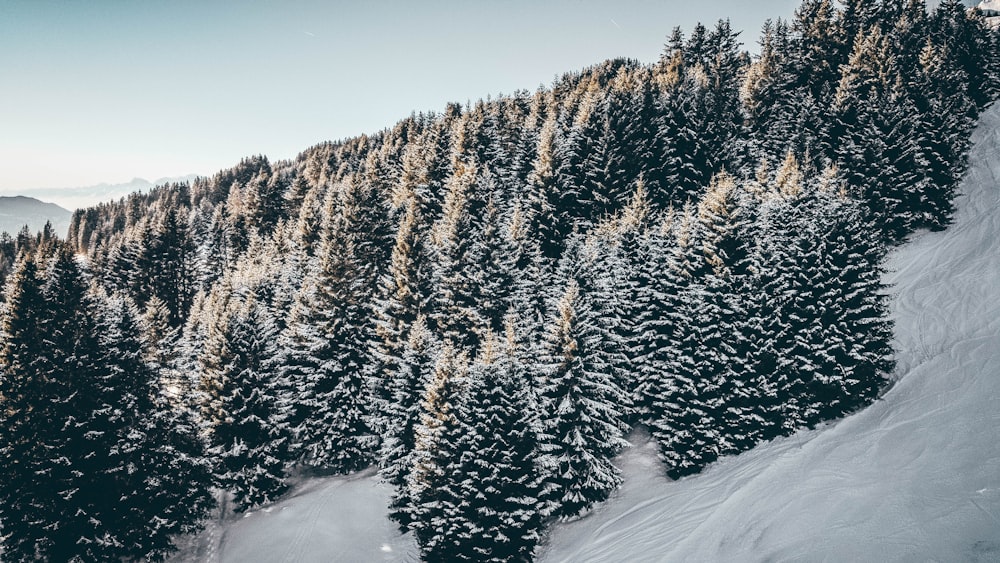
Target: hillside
column 911, row 477
column 18, row 211
column 490, row 305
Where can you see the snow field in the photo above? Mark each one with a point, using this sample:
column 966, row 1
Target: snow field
column 322, row 520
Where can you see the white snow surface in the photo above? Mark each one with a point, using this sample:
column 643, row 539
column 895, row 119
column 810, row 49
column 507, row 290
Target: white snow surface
column 989, row 5
column 322, row 520
column 914, row 477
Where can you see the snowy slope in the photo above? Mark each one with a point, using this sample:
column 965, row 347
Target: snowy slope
column 914, row 477
column 322, row 520
column 989, row 6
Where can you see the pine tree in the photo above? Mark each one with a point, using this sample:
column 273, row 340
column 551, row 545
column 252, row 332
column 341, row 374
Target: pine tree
column 686, row 401
column 945, row 119
column 436, row 438
column 401, row 414
column 544, row 218
column 684, row 167
column 75, row 365
column 248, row 437
column 457, row 276
column 156, row 465
column 586, row 408
column 651, row 334
column 69, row 365
column 492, row 513
column 325, row 352
column 495, row 253
column 404, row 296
column 29, row 505
column 168, row 263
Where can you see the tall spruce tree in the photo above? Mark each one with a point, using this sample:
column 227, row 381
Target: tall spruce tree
column 585, row 405
column 156, row 484
column 436, row 445
column 249, row 438
column 489, row 508
column 401, row 414
column 325, row 350
column 28, row 504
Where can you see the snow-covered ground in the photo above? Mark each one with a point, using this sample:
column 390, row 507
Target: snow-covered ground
column 322, row 520
column 914, row 477
column 989, row 5
column 991, row 9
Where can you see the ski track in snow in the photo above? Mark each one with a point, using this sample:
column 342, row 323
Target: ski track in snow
column 913, row 477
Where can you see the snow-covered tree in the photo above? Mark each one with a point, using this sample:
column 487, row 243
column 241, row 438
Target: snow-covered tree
column 402, row 410
column 249, row 438
column 325, row 348
column 435, row 445
column 585, row 408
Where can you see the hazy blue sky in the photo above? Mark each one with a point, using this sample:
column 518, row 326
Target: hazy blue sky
column 102, row 91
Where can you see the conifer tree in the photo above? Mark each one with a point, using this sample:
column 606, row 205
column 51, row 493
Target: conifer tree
column 585, row 405
column 156, row 465
column 69, row 365
column 490, row 509
column 436, row 437
column 495, row 252
column 457, row 276
column 401, row 414
column 75, row 364
column 684, row 169
column 404, row 296
column 541, row 203
column 168, row 263
column 652, row 323
column 29, row 505
column 249, row 440
column 325, row 352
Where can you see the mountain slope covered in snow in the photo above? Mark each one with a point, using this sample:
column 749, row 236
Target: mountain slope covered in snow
column 913, row 477
column 916, row 476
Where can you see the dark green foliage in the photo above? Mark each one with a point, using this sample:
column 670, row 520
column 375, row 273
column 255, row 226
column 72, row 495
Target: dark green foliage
column 400, row 413
column 585, row 404
column 435, row 446
column 325, row 349
column 249, row 440
column 25, row 497
column 157, row 461
column 480, row 502
column 88, row 439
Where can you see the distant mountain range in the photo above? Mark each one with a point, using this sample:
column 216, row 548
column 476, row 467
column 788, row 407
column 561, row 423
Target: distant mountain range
column 18, row 211
column 75, row 198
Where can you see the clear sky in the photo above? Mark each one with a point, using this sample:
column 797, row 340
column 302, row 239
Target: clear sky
column 98, row 91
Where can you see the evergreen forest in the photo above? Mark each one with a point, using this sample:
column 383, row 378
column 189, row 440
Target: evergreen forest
column 483, row 302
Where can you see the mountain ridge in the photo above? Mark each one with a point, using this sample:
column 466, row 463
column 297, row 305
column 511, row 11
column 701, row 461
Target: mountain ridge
column 18, row 211
column 72, row 198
